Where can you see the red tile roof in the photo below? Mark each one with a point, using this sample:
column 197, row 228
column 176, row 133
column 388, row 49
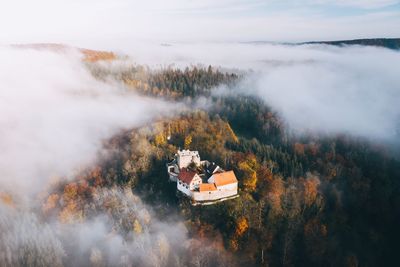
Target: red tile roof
column 224, row 178
column 186, row 176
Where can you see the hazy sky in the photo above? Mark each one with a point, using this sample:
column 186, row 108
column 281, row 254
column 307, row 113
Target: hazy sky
column 90, row 22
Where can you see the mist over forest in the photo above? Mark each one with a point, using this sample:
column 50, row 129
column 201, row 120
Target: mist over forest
column 311, row 132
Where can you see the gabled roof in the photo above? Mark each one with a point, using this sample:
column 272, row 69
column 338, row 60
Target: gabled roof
column 186, row 176
column 224, row 178
column 212, row 168
column 207, row 187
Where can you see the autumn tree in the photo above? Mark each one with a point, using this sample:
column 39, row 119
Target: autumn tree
column 248, row 170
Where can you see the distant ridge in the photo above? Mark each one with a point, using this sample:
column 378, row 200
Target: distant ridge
column 391, row 43
column 89, row 55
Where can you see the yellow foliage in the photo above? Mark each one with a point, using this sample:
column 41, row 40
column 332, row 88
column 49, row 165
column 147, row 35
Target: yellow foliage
column 250, row 181
column 188, row 141
column 232, row 133
column 249, row 168
column 145, row 216
column 160, row 139
column 137, row 227
column 241, row 226
column 70, row 191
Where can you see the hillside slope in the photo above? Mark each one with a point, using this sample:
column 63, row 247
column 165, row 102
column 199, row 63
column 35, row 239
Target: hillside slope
column 304, row 201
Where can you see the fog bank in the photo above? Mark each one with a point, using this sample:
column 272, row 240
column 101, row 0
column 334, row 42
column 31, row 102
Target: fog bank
column 322, row 88
column 54, row 116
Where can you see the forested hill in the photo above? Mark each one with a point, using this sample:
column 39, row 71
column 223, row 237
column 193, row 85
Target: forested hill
column 304, row 201
column 391, row 43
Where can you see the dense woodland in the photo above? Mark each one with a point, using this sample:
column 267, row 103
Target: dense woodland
column 304, row 201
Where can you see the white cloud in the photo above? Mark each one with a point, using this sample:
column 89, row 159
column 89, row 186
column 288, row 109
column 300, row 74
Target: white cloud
column 325, row 89
column 321, row 88
column 27, row 240
column 54, row 116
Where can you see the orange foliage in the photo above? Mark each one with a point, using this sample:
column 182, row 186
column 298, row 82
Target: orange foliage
column 276, row 190
column 93, row 56
column 233, row 244
column 265, row 174
column 70, row 214
column 95, row 177
column 299, row 149
column 241, row 226
column 7, row 199
column 70, row 192
column 51, row 203
column 84, row 189
column 311, row 190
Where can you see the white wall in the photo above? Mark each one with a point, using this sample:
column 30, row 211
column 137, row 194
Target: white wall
column 233, row 186
column 211, row 180
column 172, row 175
column 182, row 187
column 184, row 158
column 213, row 195
column 195, row 182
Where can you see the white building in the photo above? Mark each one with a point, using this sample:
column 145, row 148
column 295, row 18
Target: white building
column 220, row 186
column 183, row 158
column 224, row 181
column 186, row 157
column 188, row 181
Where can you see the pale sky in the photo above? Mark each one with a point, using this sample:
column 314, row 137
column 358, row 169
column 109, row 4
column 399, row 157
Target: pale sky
column 92, row 22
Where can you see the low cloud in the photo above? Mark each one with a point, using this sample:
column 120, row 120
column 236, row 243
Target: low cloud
column 25, row 241
column 325, row 89
column 344, row 90
column 54, row 116
column 322, row 88
column 28, row 241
